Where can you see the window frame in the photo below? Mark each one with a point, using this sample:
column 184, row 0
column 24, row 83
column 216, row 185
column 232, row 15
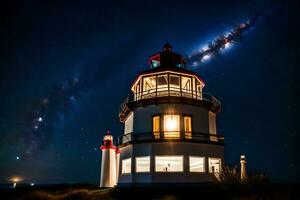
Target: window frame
column 145, row 83
column 155, row 162
column 136, row 164
column 164, row 131
column 123, row 160
column 220, row 164
column 192, row 127
column 159, row 126
column 188, row 82
column 204, row 164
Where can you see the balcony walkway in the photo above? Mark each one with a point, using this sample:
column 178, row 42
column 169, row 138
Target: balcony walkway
column 131, row 138
column 167, row 96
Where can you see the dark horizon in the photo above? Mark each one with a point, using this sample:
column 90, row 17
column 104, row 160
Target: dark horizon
column 66, row 68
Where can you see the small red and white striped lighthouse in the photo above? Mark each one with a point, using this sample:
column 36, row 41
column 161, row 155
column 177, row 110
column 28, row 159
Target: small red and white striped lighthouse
column 110, row 162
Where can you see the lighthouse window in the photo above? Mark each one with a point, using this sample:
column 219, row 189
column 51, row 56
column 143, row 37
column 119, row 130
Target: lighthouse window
column 168, row 163
column 143, row 164
column 214, row 165
column 186, row 84
column 174, row 81
column 188, row 127
column 171, row 126
column 162, row 85
column 126, row 166
column 149, row 85
column 162, row 80
column 197, row 164
column 155, row 63
column 156, row 126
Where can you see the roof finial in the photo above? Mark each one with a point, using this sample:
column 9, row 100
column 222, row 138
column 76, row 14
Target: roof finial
column 167, row 46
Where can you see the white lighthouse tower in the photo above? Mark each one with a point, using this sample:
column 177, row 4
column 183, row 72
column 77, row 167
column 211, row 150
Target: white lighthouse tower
column 109, row 163
column 170, row 134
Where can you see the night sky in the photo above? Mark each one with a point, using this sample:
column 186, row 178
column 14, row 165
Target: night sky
column 65, row 67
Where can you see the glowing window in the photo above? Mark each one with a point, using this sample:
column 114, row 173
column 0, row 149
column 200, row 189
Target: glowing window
column 186, row 84
column 156, row 127
column 162, row 80
column 188, row 127
column 162, row 85
column 149, row 84
column 155, row 63
column 126, row 166
column 197, row 164
column 214, row 165
column 137, row 91
column 171, row 126
column 174, row 81
column 142, row 164
column 199, row 90
column 169, row 163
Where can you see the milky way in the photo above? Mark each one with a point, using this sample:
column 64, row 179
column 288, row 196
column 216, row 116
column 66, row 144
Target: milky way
column 225, row 41
column 57, row 104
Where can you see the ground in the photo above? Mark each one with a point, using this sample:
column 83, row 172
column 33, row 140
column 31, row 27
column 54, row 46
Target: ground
column 88, row 192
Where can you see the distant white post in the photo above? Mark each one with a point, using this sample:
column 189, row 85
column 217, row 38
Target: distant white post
column 243, row 168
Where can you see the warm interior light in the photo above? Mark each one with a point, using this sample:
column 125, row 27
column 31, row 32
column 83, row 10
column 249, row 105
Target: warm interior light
column 171, row 126
column 171, row 123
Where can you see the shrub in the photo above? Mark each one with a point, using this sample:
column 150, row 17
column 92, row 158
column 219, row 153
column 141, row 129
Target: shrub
column 230, row 177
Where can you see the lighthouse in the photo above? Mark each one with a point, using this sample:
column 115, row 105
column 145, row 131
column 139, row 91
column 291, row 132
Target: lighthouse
column 109, row 163
column 170, row 133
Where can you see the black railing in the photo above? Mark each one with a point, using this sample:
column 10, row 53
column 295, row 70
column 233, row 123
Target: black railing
column 166, row 136
column 183, row 93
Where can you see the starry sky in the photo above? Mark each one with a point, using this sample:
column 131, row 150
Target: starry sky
column 65, row 67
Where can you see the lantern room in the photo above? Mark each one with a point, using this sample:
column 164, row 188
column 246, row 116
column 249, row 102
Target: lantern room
column 177, row 83
column 167, row 77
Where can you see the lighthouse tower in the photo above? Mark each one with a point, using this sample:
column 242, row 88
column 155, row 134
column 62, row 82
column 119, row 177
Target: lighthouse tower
column 109, row 163
column 170, row 134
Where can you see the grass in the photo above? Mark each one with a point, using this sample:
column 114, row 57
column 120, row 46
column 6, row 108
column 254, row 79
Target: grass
column 213, row 191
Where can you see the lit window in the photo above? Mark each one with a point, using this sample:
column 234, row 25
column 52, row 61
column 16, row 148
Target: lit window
column 186, row 84
column 214, row 165
column 162, row 81
column 137, row 91
column 174, row 85
column 199, row 90
column 197, row 164
column 126, row 166
column 142, row 164
column 162, row 85
column 149, row 84
column 174, row 81
column 155, row 63
column 169, row 163
column 156, row 127
column 171, row 126
column 188, row 127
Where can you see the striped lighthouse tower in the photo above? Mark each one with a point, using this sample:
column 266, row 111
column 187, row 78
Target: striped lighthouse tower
column 109, row 163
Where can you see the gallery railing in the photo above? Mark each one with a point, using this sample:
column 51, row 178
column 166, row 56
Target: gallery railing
column 165, row 136
column 167, row 91
column 174, row 93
